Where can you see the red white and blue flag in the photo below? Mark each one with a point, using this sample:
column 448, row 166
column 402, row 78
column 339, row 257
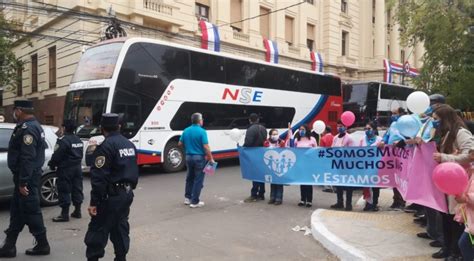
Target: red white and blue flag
column 272, row 51
column 210, row 36
column 317, row 62
column 391, row 68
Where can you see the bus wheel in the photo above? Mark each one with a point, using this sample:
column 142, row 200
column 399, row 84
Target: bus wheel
column 174, row 157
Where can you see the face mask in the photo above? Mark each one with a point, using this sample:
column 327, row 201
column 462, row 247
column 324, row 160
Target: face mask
column 429, row 111
column 341, row 130
column 395, row 117
column 274, row 137
column 15, row 119
column 435, row 123
column 302, row 133
column 369, row 133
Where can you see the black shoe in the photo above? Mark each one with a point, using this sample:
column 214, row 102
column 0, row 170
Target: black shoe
column 77, row 212
column 375, row 208
column 440, row 254
column 419, row 215
column 61, row 218
column 423, row 235
column 420, row 220
column 397, row 206
column 328, row 190
column 271, row 201
column 348, row 208
column 436, row 243
column 250, row 199
column 368, row 207
column 413, row 208
column 277, row 203
column 337, row 206
column 261, row 197
column 301, row 204
column 309, row 204
column 9, row 249
column 42, row 247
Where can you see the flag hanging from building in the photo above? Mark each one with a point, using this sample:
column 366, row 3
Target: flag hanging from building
column 317, row 62
column 272, row 51
column 390, row 68
column 210, row 36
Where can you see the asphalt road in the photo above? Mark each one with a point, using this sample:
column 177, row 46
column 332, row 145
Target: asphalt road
column 162, row 228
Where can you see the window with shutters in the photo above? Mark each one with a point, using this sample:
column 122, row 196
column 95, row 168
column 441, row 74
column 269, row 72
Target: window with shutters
column 236, row 14
column 34, row 73
column 52, row 67
column 310, row 37
column 344, row 43
column 265, row 22
column 202, row 10
column 289, row 30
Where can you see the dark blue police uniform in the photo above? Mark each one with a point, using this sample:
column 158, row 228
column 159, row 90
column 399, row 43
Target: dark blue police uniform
column 114, row 175
column 67, row 157
column 26, row 156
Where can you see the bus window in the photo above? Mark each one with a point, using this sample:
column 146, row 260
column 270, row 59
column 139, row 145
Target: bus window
column 209, row 68
column 355, row 100
column 229, row 116
column 240, row 72
column 395, row 92
column 97, row 63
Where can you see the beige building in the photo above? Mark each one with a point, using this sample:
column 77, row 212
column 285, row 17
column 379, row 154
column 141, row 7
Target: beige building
column 352, row 36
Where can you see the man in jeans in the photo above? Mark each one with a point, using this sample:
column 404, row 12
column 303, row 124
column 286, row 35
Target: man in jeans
column 196, row 145
column 255, row 137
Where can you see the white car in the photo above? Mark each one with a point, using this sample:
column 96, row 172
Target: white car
column 48, row 188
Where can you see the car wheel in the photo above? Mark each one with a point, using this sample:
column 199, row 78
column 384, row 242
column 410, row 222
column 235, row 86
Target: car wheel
column 174, row 158
column 49, row 190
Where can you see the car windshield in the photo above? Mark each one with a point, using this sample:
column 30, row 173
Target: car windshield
column 97, row 63
column 85, row 107
column 5, row 135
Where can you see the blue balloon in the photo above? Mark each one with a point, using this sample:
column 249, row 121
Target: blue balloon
column 408, row 126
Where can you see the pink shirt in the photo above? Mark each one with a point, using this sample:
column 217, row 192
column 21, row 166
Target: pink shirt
column 345, row 141
column 304, row 142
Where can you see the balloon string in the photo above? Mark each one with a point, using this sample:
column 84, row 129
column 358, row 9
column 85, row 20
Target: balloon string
column 465, row 223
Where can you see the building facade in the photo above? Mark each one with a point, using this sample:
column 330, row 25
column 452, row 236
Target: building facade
column 352, row 36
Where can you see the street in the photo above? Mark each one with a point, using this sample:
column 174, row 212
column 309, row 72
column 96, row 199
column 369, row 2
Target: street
column 163, row 228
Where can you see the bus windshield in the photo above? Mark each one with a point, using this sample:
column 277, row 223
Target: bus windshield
column 85, row 108
column 97, row 63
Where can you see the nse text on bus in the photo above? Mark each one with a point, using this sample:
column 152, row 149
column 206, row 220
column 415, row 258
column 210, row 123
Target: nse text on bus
column 244, row 95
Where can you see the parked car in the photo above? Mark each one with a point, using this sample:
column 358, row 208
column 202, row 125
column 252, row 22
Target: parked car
column 48, row 188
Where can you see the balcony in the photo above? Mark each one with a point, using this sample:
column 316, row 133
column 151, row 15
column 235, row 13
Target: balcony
column 157, row 6
column 241, row 36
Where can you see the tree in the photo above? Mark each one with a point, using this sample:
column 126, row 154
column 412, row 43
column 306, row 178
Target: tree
column 443, row 28
column 9, row 64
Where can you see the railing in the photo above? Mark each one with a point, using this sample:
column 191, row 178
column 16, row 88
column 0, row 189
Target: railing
column 241, row 36
column 157, row 6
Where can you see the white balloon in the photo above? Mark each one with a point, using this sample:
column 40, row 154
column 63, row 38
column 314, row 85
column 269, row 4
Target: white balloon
column 319, row 126
column 418, row 102
column 235, row 134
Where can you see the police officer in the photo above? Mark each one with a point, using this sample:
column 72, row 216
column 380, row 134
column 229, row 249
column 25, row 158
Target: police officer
column 67, row 157
column 114, row 175
column 25, row 159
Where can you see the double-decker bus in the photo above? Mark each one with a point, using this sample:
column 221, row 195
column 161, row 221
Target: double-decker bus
column 156, row 86
column 374, row 101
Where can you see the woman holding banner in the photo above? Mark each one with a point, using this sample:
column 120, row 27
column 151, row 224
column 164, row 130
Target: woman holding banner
column 372, row 138
column 303, row 139
column 276, row 190
column 456, row 142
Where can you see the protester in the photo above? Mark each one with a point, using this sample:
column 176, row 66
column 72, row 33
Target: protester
column 456, row 142
column 469, row 124
column 343, row 139
column 195, row 142
column 303, row 139
column 391, row 137
column 467, row 201
column 371, row 138
column 255, row 137
column 26, row 156
column 276, row 190
column 327, row 138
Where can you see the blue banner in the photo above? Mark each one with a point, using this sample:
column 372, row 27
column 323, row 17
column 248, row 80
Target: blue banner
column 354, row 166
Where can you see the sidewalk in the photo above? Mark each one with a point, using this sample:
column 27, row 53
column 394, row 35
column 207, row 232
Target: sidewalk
column 383, row 235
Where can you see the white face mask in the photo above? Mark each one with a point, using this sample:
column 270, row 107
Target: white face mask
column 274, row 137
column 15, row 119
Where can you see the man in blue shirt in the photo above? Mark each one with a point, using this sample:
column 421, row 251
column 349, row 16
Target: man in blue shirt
column 196, row 146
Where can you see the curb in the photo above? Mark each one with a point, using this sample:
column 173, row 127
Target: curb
column 333, row 243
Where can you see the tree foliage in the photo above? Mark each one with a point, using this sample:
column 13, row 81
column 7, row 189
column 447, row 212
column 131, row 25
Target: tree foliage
column 9, row 64
column 443, row 28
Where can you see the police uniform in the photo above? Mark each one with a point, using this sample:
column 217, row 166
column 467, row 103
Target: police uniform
column 114, row 175
column 26, row 156
column 67, row 157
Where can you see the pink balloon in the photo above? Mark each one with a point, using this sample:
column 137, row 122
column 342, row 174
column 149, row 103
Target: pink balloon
column 450, row 178
column 348, row 118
